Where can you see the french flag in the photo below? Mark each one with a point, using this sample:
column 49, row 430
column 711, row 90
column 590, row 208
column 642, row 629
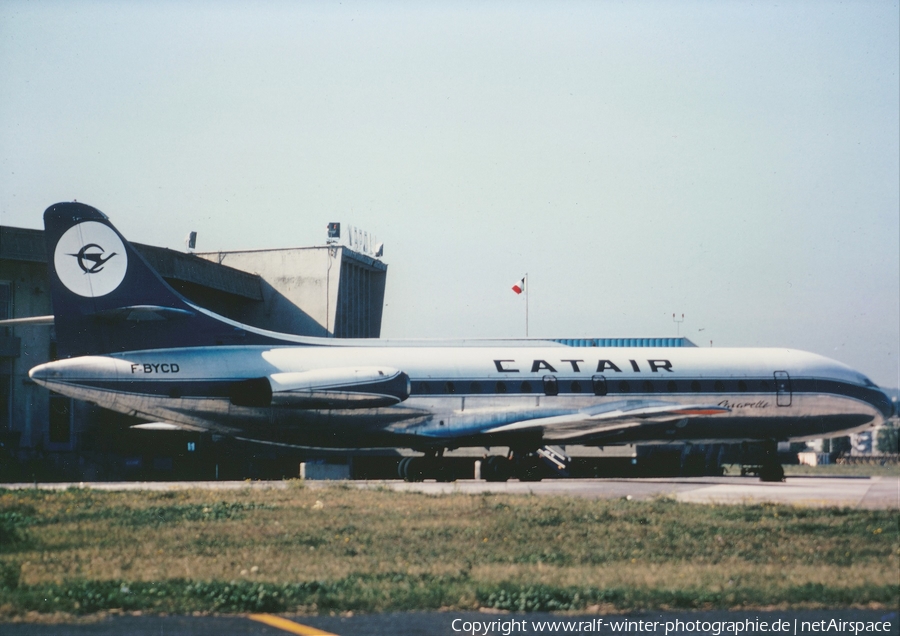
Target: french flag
column 519, row 287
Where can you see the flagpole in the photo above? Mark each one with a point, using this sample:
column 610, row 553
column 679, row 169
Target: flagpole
column 526, row 304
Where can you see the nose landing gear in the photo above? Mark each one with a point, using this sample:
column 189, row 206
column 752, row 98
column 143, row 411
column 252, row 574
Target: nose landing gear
column 770, row 469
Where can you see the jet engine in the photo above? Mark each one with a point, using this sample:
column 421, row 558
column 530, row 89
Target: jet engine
column 341, row 388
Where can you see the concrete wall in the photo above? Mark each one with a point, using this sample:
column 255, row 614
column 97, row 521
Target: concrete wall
column 27, row 403
column 26, row 411
column 361, row 298
column 326, row 291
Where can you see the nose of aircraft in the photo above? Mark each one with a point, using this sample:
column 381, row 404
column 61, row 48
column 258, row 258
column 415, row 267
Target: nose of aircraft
column 73, row 371
column 43, row 372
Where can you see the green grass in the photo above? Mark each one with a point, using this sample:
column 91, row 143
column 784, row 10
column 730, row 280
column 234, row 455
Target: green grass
column 301, row 550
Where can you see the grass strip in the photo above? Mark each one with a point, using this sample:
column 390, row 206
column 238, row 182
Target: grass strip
column 338, row 549
column 402, row 592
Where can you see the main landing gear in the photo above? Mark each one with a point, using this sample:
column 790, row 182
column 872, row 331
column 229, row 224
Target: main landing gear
column 770, row 469
column 431, row 466
column 525, row 465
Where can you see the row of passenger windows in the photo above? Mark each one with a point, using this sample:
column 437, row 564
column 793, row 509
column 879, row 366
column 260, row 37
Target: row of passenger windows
column 598, row 385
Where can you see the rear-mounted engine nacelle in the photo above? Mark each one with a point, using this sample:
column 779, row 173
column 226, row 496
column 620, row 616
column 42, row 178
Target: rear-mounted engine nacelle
column 344, row 388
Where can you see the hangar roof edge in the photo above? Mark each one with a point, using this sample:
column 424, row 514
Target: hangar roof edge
column 27, row 245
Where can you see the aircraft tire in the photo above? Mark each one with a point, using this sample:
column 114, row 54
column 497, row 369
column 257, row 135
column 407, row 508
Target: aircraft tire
column 403, row 468
column 771, row 472
column 411, row 469
column 496, row 468
column 527, row 468
column 416, row 469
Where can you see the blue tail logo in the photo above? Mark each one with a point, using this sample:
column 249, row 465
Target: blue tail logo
column 94, row 257
column 90, row 259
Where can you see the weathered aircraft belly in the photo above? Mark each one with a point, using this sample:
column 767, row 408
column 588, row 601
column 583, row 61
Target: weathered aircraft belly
column 750, row 417
column 327, row 428
column 453, row 421
column 755, row 418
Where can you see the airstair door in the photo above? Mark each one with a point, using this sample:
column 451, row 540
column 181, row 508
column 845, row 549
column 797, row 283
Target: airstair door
column 782, row 388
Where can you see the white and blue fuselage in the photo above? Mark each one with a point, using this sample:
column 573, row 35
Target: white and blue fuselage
column 439, row 396
column 132, row 344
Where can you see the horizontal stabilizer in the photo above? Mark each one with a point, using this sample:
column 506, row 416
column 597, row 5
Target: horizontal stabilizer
column 30, row 320
column 159, row 426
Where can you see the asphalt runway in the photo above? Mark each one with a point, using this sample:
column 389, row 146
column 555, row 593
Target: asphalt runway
column 742, row 623
column 852, row 492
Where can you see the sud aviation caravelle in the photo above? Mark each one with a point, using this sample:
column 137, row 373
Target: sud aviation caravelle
column 132, row 344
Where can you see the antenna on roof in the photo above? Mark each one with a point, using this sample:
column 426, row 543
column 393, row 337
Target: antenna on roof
column 678, row 322
column 334, row 232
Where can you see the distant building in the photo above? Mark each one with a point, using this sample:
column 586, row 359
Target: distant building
column 328, row 291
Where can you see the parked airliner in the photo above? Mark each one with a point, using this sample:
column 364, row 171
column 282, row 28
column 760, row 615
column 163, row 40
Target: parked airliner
column 132, row 344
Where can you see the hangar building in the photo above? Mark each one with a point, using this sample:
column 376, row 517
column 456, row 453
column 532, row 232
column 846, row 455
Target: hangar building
column 325, row 291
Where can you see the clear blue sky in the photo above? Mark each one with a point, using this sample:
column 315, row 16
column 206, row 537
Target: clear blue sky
column 735, row 162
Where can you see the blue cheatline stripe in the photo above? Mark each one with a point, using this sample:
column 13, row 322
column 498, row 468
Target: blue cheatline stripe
column 660, row 387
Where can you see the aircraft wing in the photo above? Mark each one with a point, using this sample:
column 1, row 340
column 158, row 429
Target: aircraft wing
column 608, row 418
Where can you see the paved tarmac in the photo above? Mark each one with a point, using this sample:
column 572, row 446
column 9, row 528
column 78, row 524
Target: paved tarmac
column 718, row 623
column 851, row 492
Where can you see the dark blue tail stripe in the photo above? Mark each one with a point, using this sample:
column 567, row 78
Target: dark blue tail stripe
column 90, row 325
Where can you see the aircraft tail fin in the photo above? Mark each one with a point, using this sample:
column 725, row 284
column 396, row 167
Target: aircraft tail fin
column 107, row 298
